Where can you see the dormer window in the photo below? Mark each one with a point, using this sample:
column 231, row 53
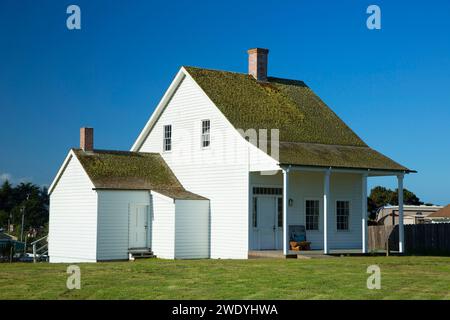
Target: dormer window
column 206, row 137
column 167, row 141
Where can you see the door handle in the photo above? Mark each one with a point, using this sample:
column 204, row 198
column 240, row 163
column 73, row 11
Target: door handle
column 146, row 227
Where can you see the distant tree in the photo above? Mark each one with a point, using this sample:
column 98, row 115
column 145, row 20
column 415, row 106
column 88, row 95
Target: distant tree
column 381, row 196
column 3, row 218
column 409, row 198
column 27, row 196
column 372, row 208
column 6, row 196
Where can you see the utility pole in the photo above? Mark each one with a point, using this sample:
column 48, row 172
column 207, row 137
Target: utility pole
column 22, row 209
column 9, row 222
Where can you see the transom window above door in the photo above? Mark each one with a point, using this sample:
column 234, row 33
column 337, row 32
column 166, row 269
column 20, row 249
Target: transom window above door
column 267, row 191
column 312, row 210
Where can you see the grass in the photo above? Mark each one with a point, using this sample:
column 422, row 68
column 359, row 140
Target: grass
column 334, row 278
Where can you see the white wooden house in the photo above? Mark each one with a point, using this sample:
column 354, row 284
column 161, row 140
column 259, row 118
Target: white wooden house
column 225, row 164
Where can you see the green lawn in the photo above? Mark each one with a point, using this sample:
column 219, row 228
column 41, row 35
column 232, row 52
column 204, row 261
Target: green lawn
column 334, row 278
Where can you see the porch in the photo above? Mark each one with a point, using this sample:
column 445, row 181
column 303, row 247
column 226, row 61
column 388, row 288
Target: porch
column 311, row 254
column 330, row 203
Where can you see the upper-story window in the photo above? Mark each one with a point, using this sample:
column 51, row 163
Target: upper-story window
column 167, row 141
column 206, row 137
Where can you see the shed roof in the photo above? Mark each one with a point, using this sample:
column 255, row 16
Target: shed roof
column 310, row 132
column 127, row 170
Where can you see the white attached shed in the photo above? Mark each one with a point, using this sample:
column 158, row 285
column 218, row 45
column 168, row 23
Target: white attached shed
column 105, row 205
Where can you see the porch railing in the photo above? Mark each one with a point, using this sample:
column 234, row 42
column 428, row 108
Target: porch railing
column 40, row 247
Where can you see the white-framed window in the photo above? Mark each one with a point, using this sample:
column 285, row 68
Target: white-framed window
column 206, row 136
column 280, row 212
column 342, row 214
column 268, row 191
column 255, row 213
column 312, row 210
column 167, row 140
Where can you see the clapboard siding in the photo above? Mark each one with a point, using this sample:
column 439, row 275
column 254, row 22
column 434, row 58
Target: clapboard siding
column 73, row 217
column 309, row 185
column 113, row 221
column 346, row 187
column 163, row 226
column 191, row 229
column 219, row 173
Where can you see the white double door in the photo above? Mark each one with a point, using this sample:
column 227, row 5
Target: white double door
column 269, row 224
column 139, row 229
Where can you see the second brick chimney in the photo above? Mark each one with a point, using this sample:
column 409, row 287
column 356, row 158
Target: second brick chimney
column 257, row 63
column 87, row 139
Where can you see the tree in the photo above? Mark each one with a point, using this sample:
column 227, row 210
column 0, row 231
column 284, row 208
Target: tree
column 372, row 208
column 3, row 218
column 6, row 196
column 29, row 196
column 381, row 196
column 409, row 198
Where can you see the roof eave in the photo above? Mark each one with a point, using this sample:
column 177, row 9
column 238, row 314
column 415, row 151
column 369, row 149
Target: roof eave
column 343, row 168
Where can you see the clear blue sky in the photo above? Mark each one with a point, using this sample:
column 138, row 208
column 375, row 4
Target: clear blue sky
column 391, row 86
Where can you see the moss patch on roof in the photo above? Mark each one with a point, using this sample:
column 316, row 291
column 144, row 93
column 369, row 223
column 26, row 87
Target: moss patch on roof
column 288, row 105
column 310, row 132
column 132, row 171
column 309, row 154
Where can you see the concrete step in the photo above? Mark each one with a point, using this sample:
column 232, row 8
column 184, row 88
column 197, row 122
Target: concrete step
column 141, row 254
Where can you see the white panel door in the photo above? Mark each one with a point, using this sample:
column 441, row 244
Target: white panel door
column 266, row 223
column 138, row 226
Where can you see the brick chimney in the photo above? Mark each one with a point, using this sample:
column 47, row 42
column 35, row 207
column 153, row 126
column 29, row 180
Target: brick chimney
column 87, row 139
column 257, row 63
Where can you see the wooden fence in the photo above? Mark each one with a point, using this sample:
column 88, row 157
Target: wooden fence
column 419, row 238
column 383, row 238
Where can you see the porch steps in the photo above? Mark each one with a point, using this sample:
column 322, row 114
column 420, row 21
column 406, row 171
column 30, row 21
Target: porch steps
column 140, row 254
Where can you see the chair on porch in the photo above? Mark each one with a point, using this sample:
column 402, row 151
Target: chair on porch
column 297, row 238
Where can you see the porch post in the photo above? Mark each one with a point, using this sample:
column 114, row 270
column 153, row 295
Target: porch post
column 326, row 208
column 401, row 234
column 285, row 208
column 364, row 214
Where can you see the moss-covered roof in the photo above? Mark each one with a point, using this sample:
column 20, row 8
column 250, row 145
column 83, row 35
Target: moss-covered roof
column 132, row 171
column 300, row 115
column 288, row 105
column 323, row 155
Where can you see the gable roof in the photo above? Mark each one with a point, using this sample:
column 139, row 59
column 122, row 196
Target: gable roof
column 311, row 134
column 287, row 105
column 443, row 213
column 127, row 170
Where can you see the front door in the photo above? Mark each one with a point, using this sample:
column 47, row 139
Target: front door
column 266, row 223
column 269, row 228
column 138, row 226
